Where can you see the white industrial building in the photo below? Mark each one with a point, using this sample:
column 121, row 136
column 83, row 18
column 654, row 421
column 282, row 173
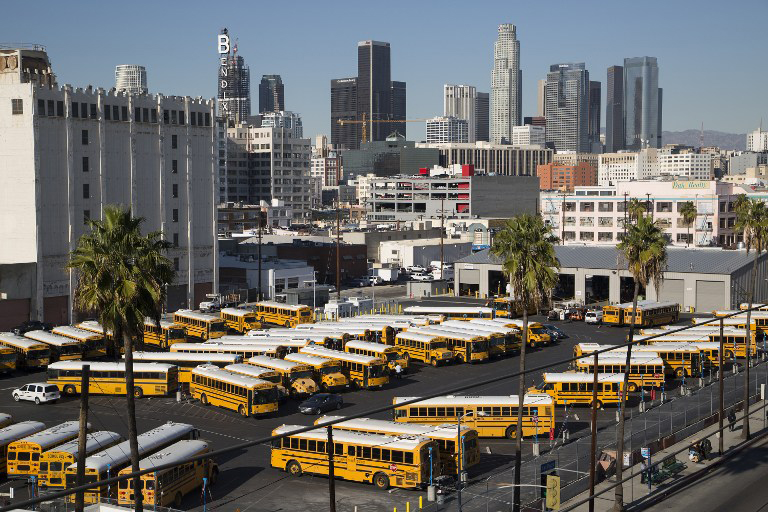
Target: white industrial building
column 651, row 163
column 757, row 141
column 277, row 275
column 445, row 129
column 528, row 135
column 461, row 101
column 67, row 153
column 406, row 253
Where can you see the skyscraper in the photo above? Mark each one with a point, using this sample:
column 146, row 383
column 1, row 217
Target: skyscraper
column 593, row 131
column 344, row 107
column 642, row 98
column 505, row 85
column 540, row 95
column 567, row 107
column 614, row 110
column 374, row 86
column 234, row 88
column 398, row 108
column 271, row 94
column 460, row 101
column 447, row 129
column 131, row 78
column 482, row 116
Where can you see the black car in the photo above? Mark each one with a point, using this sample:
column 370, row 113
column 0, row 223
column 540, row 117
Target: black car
column 555, row 332
column 320, row 403
column 30, row 325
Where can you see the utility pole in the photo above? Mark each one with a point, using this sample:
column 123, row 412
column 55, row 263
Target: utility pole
column 562, row 220
column 721, row 407
column 442, row 227
column 648, row 206
column 593, row 441
column 331, row 481
column 338, row 227
column 260, row 225
column 625, row 214
column 82, row 440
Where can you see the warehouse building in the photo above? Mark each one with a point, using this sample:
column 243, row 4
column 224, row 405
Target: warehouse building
column 702, row 279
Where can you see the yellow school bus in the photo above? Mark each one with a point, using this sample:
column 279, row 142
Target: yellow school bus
column 246, row 395
column 8, row 358
column 445, row 437
column 24, row 454
column 200, row 325
column 652, row 314
column 450, row 312
column 29, row 354
column 426, row 348
column 108, row 463
column 466, row 347
column 61, row 347
column 513, row 334
column 506, row 307
column 327, row 372
column 241, row 349
column 13, row 433
column 54, row 462
column 297, row 378
column 168, row 486
column 645, row 370
column 186, row 362
column 240, row 320
column 491, row 416
column 260, row 373
column 164, row 335
column 391, row 354
column 383, row 461
column 283, row 314
column 613, row 314
column 500, row 342
column 93, row 344
column 361, row 371
column 735, row 343
column 150, row 379
column 576, row 388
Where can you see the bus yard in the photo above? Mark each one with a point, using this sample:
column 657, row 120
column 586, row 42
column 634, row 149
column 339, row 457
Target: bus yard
column 248, row 477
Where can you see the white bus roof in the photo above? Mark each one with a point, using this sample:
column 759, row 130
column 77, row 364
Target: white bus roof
column 700, row 336
column 341, row 436
column 52, row 436
column 194, row 315
column 458, row 400
column 74, row 332
column 50, row 338
column 338, row 354
column 173, row 357
column 248, row 370
column 734, row 320
column 447, row 332
column 483, row 326
column 582, row 377
column 738, row 313
column 19, row 430
column 447, row 310
column 98, row 366
column 288, row 334
column 409, row 319
column 272, row 304
column 629, row 304
column 19, row 341
column 223, row 348
column 177, row 452
column 214, row 372
column 386, row 427
column 417, row 336
column 309, row 359
column 652, row 305
column 251, row 340
column 644, row 359
column 95, row 441
column 148, row 442
column 93, row 325
column 165, row 324
column 370, row 345
column 237, row 312
column 273, row 363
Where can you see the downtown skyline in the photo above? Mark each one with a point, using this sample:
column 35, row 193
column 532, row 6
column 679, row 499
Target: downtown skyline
column 730, row 100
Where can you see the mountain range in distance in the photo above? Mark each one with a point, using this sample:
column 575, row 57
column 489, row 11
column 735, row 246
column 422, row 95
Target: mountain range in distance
column 723, row 140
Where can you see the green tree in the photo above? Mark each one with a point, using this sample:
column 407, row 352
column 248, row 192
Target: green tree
column 526, row 248
column 752, row 222
column 636, row 209
column 688, row 213
column 122, row 277
column 644, row 248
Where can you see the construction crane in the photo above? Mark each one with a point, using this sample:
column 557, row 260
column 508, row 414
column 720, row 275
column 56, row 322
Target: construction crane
column 364, row 121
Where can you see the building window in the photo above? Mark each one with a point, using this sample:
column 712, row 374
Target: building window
column 84, row 136
column 175, row 217
column 50, row 108
column 93, row 111
column 175, row 239
column 199, row 119
column 137, row 114
column 166, row 117
column 176, row 264
column 154, row 115
column 86, row 191
column 175, row 190
column 193, row 119
column 174, row 141
column 174, row 166
column 115, row 113
column 60, row 108
column 107, row 113
column 86, row 216
column 173, row 117
column 207, row 119
column 84, row 110
column 41, row 107
column 182, row 118
column 86, row 167
column 75, row 109
column 124, row 113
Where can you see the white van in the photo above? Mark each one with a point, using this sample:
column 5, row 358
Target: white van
column 593, row 317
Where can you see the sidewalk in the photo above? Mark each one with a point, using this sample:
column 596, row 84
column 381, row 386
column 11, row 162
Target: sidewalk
column 637, row 493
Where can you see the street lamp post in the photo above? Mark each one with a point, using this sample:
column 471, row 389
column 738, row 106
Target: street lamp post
column 460, row 455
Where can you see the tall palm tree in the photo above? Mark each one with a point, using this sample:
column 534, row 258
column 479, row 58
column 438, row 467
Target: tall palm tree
column 752, row 221
column 644, row 249
column 636, row 209
column 526, row 246
column 122, row 277
column 688, row 213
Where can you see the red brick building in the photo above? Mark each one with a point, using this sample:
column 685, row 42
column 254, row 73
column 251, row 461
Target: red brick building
column 557, row 176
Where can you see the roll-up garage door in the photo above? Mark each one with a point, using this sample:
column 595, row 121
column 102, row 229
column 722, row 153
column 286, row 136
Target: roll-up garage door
column 672, row 290
column 710, row 295
column 469, row 276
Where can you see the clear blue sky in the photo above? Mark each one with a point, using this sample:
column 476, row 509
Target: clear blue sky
column 711, row 54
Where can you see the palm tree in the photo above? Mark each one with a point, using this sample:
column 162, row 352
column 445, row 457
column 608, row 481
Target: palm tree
column 122, row 277
column 527, row 249
column 688, row 212
column 752, row 221
column 644, row 249
column 636, row 208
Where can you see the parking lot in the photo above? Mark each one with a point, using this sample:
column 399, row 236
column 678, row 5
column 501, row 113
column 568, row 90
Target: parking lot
column 247, row 482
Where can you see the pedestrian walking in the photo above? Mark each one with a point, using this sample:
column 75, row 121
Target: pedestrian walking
column 731, row 420
column 398, row 371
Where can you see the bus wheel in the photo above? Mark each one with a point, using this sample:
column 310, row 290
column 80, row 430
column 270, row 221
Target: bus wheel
column 597, row 404
column 203, row 399
column 679, row 372
column 433, row 362
column 262, row 320
column 177, row 500
column 728, row 354
column 242, row 411
column 138, row 392
column 287, row 324
column 511, row 432
column 69, row 390
column 293, row 468
column 632, row 387
column 381, row 481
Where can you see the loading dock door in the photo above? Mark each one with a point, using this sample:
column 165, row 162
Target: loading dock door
column 672, row 290
column 710, row 295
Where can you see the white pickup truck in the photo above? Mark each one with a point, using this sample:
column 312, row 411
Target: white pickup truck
column 214, row 304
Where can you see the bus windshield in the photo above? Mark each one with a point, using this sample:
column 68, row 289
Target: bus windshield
column 39, row 353
column 265, row 396
column 391, row 356
column 218, row 326
column 275, row 379
column 376, row 370
column 304, row 374
column 538, row 330
column 479, row 346
column 306, row 313
column 175, row 332
column 327, row 370
column 8, row 357
column 543, row 386
column 439, row 344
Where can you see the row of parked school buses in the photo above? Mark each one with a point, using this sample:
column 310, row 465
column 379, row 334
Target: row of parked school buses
column 47, row 456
